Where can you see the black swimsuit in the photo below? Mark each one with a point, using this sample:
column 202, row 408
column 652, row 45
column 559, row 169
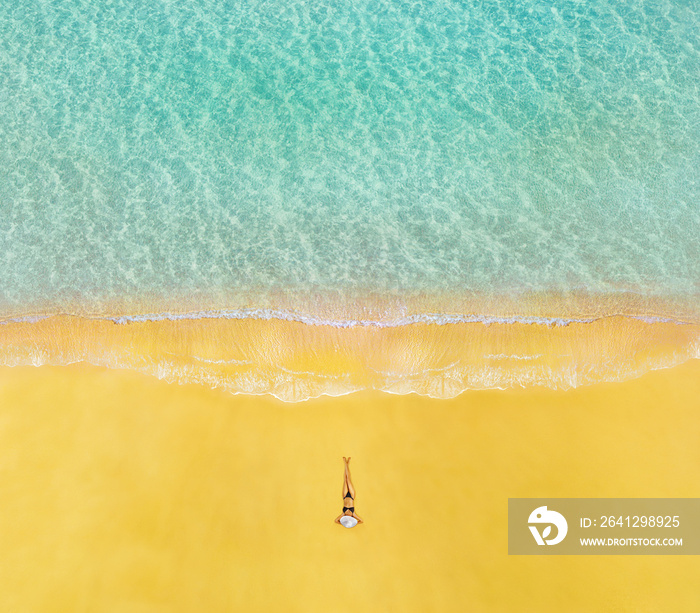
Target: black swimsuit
column 351, row 509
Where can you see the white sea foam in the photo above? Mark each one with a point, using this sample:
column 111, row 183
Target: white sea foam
column 195, row 357
column 424, row 318
column 315, row 320
column 30, row 319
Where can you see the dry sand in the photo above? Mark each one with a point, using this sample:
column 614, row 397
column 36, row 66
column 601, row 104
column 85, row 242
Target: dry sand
column 120, row 492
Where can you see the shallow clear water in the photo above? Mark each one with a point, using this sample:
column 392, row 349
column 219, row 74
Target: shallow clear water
column 155, row 150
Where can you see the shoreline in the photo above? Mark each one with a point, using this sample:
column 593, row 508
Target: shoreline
column 293, row 316
column 295, row 361
column 366, row 306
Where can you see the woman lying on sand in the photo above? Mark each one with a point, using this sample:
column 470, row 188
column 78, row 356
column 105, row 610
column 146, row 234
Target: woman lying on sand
column 348, row 518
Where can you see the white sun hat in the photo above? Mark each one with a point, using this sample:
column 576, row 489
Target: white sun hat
column 348, row 521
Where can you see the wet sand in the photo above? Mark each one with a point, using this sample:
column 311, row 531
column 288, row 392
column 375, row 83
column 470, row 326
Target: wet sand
column 120, row 492
column 294, row 361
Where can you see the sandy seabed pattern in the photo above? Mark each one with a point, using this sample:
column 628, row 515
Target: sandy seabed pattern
column 220, row 160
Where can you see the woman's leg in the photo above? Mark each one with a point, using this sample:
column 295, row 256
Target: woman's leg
column 345, row 478
column 348, row 481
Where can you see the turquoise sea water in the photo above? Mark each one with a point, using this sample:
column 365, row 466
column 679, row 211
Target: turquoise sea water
column 218, row 150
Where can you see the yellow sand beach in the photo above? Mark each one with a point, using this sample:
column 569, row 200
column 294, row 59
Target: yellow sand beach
column 120, row 492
